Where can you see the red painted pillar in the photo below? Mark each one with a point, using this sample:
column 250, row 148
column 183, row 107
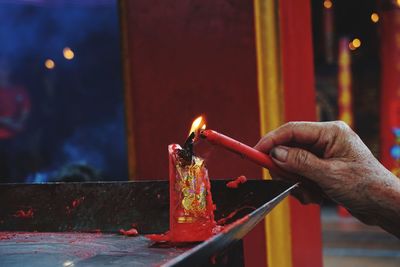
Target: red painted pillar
column 182, row 59
column 299, row 94
column 390, row 88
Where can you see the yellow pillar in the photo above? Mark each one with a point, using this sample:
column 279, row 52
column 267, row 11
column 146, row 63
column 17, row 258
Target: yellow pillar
column 271, row 103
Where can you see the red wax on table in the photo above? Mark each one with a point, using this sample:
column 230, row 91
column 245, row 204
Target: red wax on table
column 130, row 232
column 235, row 183
column 243, row 150
column 24, row 214
column 223, row 221
column 191, row 205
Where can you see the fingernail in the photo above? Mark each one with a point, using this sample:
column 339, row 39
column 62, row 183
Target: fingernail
column 279, row 153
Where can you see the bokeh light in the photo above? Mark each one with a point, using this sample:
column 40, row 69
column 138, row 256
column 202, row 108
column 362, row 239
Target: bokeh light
column 356, row 43
column 68, row 53
column 374, row 17
column 49, row 64
column 328, row 4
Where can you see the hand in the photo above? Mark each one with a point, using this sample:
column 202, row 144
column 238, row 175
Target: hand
column 333, row 158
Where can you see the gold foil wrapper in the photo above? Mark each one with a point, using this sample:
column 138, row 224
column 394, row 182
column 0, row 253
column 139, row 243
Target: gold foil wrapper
column 191, row 184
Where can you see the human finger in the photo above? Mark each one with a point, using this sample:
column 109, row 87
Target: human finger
column 298, row 132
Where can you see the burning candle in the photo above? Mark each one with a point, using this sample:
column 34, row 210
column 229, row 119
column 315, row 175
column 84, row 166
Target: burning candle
column 243, row 150
column 191, row 205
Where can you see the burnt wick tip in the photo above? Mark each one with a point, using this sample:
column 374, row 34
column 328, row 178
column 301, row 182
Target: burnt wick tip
column 190, row 140
column 186, row 153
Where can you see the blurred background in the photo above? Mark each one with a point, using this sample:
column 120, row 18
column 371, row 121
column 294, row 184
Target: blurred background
column 63, row 59
column 63, row 114
column 61, row 95
column 62, row 91
column 356, row 57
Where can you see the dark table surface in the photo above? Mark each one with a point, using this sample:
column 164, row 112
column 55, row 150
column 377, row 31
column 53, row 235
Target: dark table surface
column 81, row 249
column 77, row 224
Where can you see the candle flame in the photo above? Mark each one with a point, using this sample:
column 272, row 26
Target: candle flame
column 198, row 123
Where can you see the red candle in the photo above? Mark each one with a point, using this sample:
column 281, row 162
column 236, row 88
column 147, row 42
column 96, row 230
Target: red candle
column 191, row 205
column 243, row 150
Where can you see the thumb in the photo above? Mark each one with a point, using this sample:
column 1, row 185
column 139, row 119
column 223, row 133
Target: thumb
column 297, row 160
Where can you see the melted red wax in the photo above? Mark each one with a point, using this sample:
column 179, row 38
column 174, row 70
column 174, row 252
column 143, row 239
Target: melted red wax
column 159, row 237
column 74, row 204
column 219, row 227
column 130, row 232
column 235, row 183
column 202, row 227
column 6, row 235
column 166, row 237
column 228, row 227
column 24, row 214
column 213, row 259
column 84, row 245
column 232, row 214
column 77, row 202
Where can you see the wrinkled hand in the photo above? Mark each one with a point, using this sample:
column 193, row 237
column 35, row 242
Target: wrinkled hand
column 331, row 161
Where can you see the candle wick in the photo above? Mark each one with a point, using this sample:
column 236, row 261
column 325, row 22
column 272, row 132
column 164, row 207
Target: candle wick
column 186, row 153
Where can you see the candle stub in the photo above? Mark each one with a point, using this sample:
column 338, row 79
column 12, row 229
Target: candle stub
column 191, row 206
